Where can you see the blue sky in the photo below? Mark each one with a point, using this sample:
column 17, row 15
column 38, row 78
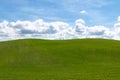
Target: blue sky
column 94, row 12
column 59, row 19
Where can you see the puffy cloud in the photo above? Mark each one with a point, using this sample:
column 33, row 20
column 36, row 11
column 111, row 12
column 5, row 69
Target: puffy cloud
column 117, row 30
column 79, row 21
column 97, row 30
column 80, row 26
column 118, row 18
column 56, row 30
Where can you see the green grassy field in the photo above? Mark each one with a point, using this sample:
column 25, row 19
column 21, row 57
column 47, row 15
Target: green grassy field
column 81, row 59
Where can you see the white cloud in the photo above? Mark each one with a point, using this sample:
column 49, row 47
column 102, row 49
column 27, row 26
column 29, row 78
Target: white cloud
column 83, row 12
column 117, row 30
column 97, row 30
column 118, row 18
column 56, row 30
column 80, row 21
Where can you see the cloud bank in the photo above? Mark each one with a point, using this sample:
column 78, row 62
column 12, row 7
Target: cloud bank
column 56, row 30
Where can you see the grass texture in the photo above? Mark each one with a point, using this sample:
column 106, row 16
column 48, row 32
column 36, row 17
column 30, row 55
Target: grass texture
column 80, row 59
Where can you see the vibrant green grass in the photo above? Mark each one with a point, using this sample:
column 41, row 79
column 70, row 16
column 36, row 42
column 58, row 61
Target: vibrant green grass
column 82, row 59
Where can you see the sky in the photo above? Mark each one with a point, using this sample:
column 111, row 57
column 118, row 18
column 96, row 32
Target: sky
column 59, row 19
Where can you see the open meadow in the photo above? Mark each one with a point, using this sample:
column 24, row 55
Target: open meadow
column 79, row 59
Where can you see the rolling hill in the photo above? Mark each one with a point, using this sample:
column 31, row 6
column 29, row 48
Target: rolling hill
column 80, row 59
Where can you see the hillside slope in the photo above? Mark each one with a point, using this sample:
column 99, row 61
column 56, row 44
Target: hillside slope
column 82, row 59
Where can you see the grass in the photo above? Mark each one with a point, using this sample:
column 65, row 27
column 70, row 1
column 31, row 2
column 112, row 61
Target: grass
column 80, row 59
